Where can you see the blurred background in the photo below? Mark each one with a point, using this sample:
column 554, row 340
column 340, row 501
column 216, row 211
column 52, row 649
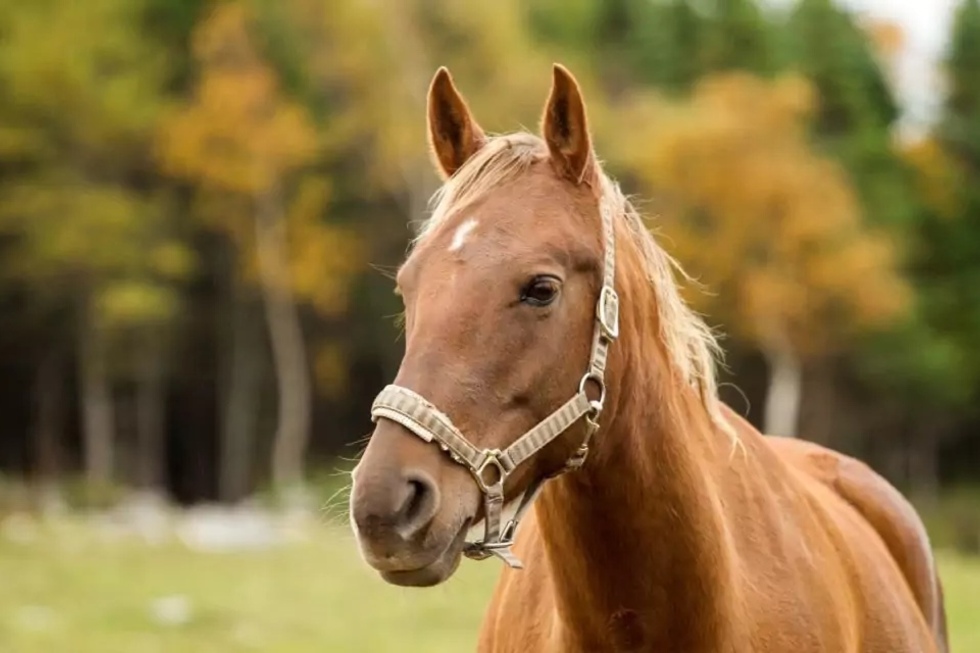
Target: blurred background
column 202, row 203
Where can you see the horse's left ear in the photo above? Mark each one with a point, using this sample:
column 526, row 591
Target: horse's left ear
column 566, row 130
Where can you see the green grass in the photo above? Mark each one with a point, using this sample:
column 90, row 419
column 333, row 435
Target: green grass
column 69, row 591
column 961, row 583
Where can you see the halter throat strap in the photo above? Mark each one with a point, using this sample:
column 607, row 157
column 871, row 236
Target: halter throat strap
column 490, row 468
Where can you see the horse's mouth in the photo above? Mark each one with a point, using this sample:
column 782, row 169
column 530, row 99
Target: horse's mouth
column 435, row 572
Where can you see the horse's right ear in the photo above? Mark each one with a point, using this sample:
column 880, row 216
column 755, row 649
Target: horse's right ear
column 454, row 135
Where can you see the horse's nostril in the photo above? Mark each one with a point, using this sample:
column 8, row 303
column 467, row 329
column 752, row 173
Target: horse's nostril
column 420, row 504
column 413, row 503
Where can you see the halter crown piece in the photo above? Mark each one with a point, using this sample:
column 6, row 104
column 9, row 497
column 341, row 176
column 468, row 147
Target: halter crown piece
column 491, row 467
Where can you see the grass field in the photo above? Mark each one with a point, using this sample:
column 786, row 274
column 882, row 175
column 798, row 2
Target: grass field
column 66, row 591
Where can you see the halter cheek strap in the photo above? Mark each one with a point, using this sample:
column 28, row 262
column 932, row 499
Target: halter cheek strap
column 491, row 467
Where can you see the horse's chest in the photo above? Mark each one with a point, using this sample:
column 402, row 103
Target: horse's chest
column 623, row 631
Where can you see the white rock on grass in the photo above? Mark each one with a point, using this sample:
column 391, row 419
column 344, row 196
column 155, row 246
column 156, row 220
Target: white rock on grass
column 144, row 516
column 219, row 529
column 171, row 611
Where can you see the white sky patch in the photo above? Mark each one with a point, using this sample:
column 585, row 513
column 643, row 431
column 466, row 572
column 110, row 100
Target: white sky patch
column 459, row 238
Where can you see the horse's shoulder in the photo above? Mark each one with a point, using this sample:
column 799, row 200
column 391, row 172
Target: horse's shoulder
column 877, row 500
column 882, row 506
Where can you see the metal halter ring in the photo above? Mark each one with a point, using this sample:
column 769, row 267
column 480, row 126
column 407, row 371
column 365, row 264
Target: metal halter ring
column 597, row 404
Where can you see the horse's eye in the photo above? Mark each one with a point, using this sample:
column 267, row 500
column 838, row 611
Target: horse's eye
column 541, row 291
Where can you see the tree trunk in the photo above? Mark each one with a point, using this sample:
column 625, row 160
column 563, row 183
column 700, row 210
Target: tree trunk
column 242, row 379
column 48, row 419
column 286, row 335
column 785, row 388
column 892, row 458
column 923, row 463
column 150, row 412
column 98, row 423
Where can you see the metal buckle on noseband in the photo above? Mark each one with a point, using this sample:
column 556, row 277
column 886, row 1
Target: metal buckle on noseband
column 492, row 460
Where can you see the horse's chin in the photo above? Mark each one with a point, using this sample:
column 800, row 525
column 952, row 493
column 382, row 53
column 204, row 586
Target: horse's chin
column 434, row 573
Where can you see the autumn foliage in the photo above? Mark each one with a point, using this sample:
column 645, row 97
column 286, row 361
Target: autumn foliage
column 771, row 228
column 241, row 137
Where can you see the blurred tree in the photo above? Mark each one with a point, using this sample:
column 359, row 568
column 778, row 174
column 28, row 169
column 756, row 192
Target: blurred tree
column 669, row 44
column 380, row 60
column 169, row 24
column 772, row 227
column 824, row 43
column 249, row 149
column 82, row 93
column 856, row 108
column 948, row 262
column 853, row 67
column 929, row 364
column 371, row 65
column 739, row 38
column 960, row 129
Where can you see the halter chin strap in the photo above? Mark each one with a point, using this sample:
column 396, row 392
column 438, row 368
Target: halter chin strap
column 491, row 467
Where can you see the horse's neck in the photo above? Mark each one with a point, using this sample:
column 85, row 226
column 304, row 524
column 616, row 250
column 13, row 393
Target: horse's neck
column 635, row 539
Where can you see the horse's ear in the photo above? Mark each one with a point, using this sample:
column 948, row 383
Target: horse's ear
column 454, row 135
column 565, row 128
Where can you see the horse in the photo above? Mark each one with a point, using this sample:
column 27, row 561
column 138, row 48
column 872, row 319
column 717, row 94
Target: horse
column 553, row 374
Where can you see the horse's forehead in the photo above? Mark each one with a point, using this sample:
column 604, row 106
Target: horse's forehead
column 486, row 240
column 523, row 212
column 530, row 217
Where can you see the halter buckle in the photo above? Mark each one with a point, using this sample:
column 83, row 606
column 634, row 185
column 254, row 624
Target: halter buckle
column 607, row 312
column 501, row 550
column 578, row 458
column 501, row 547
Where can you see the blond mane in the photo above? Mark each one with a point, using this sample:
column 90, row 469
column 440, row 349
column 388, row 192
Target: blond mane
column 688, row 341
column 501, row 160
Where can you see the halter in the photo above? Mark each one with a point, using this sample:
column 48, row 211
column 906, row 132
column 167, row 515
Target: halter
column 491, row 467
